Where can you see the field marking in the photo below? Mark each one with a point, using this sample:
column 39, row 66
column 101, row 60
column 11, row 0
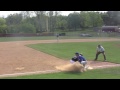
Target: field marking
column 28, row 73
column 105, row 66
column 49, row 71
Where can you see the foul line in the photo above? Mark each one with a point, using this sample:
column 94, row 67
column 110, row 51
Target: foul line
column 28, row 73
column 104, row 66
column 48, row 71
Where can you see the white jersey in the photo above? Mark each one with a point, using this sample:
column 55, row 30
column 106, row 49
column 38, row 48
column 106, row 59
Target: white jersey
column 101, row 49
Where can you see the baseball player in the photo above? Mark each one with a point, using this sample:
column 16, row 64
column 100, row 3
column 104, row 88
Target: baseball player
column 80, row 58
column 100, row 50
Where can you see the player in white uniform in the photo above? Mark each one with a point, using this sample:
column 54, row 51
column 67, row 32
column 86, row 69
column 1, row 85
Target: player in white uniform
column 100, row 50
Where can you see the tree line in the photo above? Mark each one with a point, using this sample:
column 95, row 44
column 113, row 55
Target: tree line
column 50, row 21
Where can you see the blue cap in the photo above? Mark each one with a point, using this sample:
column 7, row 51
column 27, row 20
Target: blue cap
column 76, row 53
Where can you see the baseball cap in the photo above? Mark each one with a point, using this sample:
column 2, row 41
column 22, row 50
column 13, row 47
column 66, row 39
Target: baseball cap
column 76, row 53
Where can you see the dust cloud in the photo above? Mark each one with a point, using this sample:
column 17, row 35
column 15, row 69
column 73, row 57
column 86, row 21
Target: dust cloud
column 75, row 67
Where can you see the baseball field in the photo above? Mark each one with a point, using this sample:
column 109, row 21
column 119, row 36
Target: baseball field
column 38, row 58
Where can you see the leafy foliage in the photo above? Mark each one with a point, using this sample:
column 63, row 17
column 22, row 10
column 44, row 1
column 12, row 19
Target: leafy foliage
column 52, row 21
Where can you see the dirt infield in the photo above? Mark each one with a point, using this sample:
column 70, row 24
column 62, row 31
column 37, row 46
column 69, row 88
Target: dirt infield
column 15, row 57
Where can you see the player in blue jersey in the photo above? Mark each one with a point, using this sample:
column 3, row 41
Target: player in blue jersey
column 80, row 58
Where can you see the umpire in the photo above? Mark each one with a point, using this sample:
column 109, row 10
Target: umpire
column 100, row 50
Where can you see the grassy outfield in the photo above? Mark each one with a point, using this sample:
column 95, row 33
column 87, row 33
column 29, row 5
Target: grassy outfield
column 88, row 49
column 4, row 39
column 108, row 73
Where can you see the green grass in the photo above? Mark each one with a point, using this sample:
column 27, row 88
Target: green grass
column 88, row 49
column 69, row 35
column 108, row 73
column 6, row 39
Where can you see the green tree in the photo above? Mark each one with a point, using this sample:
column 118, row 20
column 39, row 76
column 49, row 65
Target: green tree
column 96, row 20
column 40, row 20
column 114, row 17
column 73, row 20
column 85, row 19
column 106, row 18
column 14, row 19
column 50, row 14
column 26, row 28
column 61, row 22
column 3, row 25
